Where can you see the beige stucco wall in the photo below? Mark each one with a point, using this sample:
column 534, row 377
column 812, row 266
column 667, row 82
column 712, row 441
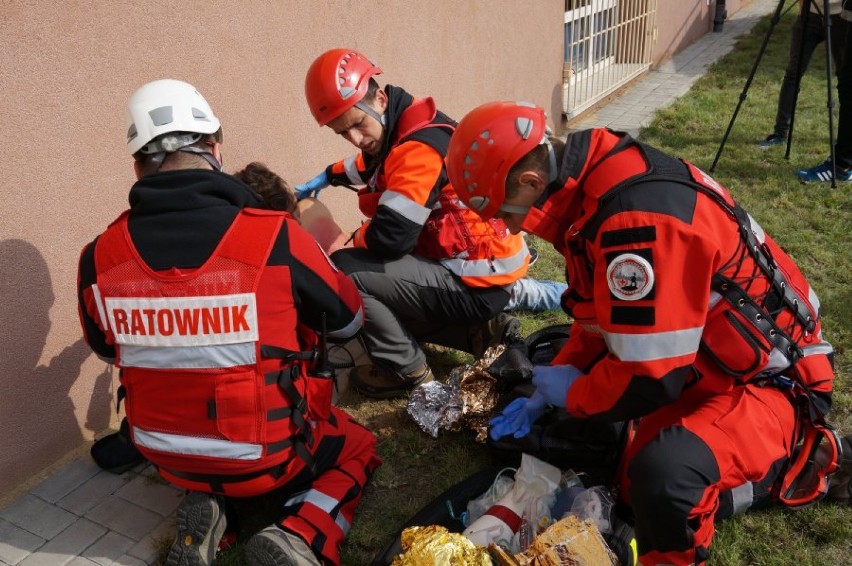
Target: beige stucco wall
column 681, row 22
column 66, row 71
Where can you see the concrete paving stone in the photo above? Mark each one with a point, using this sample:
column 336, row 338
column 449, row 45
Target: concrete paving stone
column 148, row 548
column 87, row 495
column 16, row 543
column 80, row 561
column 66, row 480
column 608, row 116
column 124, row 517
column 152, row 494
column 108, row 548
column 130, row 561
column 62, row 548
column 38, row 516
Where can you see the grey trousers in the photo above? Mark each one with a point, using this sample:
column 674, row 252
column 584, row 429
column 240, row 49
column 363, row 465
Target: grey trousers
column 413, row 299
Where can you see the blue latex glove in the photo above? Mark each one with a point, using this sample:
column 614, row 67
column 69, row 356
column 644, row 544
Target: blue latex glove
column 518, row 416
column 553, row 382
column 312, row 187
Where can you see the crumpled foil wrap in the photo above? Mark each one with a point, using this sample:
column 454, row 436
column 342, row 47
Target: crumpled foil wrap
column 567, row 542
column 466, row 400
column 436, row 546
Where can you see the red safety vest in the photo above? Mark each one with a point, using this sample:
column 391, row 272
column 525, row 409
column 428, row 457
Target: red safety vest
column 208, row 403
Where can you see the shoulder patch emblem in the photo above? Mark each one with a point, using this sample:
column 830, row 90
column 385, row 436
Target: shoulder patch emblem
column 630, row 277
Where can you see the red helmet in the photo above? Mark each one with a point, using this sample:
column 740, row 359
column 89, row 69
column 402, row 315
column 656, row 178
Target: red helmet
column 486, row 144
column 336, row 81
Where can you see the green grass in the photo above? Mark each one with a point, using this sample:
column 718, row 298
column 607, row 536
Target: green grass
column 812, row 222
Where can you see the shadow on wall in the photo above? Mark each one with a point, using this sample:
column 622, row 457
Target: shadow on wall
column 37, row 415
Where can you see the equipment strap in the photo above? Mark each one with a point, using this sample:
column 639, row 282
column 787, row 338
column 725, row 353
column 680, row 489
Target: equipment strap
column 285, row 378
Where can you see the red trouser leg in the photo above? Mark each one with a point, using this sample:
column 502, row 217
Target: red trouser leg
column 692, row 457
column 322, row 513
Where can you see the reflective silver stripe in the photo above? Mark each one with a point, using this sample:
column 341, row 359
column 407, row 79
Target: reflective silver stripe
column 194, row 357
column 350, row 166
column 813, row 299
column 342, row 523
column 656, row 346
column 350, row 329
column 324, row 502
column 778, row 361
column 196, row 446
column 99, row 302
column 484, row 268
column 714, row 298
column 757, row 229
column 409, row 209
column 743, row 497
column 822, row 348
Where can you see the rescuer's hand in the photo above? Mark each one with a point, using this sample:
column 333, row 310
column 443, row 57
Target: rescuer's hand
column 312, row 187
column 518, row 416
column 553, row 382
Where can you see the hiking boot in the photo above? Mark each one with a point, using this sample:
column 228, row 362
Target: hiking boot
column 822, row 173
column 502, row 329
column 381, row 383
column 273, row 546
column 200, row 523
column 772, row 140
column 840, row 482
column 115, row 453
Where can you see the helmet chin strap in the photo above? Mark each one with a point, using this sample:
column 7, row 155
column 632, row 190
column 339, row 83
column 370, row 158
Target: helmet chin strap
column 551, row 177
column 209, row 157
column 380, row 118
column 156, row 160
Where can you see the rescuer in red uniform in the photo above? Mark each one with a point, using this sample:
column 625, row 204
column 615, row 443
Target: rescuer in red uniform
column 211, row 309
column 686, row 315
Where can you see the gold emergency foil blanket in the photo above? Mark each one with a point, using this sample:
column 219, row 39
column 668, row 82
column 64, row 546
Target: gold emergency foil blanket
column 436, row 546
column 478, row 392
column 568, row 542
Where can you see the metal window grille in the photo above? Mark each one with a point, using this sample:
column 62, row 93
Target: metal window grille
column 607, row 43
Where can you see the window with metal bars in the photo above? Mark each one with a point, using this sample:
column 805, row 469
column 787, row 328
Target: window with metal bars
column 607, row 43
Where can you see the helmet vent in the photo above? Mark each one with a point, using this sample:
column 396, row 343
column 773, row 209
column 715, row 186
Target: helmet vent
column 131, row 132
column 162, row 115
column 524, row 127
column 347, row 91
column 199, row 115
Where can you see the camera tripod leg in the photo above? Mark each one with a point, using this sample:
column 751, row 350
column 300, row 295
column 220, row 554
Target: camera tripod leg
column 776, row 17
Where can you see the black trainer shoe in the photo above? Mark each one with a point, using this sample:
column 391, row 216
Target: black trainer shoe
column 772, row 140
column 273, row 546
column 200, row 524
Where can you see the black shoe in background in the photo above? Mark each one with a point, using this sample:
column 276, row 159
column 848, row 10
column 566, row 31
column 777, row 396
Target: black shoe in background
column 115, row 453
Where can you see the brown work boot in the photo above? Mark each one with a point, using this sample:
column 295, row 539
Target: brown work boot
column 840, row 482
column 502, row 329
column 380, row 383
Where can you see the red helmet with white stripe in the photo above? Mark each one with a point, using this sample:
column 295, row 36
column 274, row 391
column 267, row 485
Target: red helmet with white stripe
column 486, row 144
column 336, row 81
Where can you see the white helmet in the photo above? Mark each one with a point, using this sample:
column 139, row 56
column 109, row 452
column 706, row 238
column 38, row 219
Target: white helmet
column 165, row 106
